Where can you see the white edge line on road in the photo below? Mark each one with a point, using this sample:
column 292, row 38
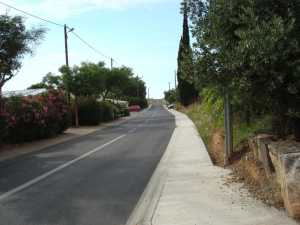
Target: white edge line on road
column 44, row 176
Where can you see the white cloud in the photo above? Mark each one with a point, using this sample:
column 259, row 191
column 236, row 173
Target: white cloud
column 61, row 9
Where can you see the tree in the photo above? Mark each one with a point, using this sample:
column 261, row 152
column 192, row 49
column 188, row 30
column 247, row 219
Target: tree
column 91, row 78
column 185, row 74
column 15, row 42
column 171, row 96
column 116, row 81
column 252, row 49
column 50, row 81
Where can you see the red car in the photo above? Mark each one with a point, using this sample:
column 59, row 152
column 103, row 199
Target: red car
column 134, row 108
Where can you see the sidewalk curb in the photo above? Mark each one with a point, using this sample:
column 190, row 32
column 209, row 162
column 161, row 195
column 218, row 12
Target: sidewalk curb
column 187, row 189
column 145, row 209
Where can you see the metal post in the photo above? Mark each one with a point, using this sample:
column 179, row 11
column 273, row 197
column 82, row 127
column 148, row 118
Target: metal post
column 228, row 129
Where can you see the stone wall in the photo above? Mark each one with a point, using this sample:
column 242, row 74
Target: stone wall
column 281, row 158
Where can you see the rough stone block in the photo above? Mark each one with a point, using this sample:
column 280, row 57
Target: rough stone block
column 285, row 156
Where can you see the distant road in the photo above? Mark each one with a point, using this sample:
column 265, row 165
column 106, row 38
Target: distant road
column 93, row 180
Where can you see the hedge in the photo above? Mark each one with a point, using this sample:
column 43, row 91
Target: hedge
column 91, row 112
column 35, row 117
column 142, row 102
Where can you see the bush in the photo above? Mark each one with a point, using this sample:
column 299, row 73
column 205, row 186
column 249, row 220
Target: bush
column 3, row 126
column 108, row 111
column 116, row 111
column 89, row 111
column 92, row 113
column 142, row 102
column 34, row 117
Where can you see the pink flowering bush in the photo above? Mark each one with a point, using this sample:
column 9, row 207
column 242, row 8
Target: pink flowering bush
column 35, row 117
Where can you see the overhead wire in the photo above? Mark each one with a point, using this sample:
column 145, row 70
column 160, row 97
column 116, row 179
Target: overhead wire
column 32, row 15
column 60, row 25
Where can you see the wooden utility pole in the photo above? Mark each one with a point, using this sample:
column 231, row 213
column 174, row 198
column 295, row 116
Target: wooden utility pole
column 169, row 86
column 111, row 63
column 66, row 45
column 66, row 31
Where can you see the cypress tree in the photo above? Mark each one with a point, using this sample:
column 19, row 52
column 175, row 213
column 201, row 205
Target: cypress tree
column 185, row 73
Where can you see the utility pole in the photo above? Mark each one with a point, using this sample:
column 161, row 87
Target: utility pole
column 66, row 31
column 67, row 58
column 66, row 45
column 149, row 93
column 228, row 129
column 169, row 86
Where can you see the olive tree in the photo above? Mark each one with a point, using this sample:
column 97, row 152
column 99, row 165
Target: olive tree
column 15, row 42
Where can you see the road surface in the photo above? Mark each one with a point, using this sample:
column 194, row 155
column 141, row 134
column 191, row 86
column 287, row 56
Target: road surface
column 93, row 180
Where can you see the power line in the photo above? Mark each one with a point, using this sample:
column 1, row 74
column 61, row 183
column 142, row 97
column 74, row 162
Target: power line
column 61, row 25
column 90, row 46
column 32, row 15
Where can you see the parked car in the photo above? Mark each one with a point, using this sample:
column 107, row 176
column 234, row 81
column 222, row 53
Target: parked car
column 134, row 108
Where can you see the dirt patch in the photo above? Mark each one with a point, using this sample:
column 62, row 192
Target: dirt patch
column 251, row 173
column 246, row 170
column 216, row 148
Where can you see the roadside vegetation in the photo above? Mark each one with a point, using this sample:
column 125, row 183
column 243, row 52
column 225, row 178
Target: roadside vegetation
column 248, row 50
column 86, row 94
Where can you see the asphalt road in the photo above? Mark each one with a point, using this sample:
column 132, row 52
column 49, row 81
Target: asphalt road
column 93, row 180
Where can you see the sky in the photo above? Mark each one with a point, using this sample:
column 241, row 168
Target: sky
column 141, row 34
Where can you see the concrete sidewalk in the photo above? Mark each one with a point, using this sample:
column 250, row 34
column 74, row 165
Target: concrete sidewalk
column 187, row 189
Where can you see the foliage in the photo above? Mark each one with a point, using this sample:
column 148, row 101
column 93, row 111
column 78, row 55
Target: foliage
column 251, row 50
column 89, row 111
column 208, row 117
column 185, row 74
column 109, row 111
column 50, row 81
column 34, row 117
column 142, row 102
column 171, row 96
column 95, row 81
column 15, row 42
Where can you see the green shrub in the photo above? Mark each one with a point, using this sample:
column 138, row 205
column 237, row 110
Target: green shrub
column 89, row 111
column 142, row 102
column 208, row 117
column 117, row 112
column 108, row 111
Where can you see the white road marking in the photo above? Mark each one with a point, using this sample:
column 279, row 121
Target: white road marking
column 44, row 176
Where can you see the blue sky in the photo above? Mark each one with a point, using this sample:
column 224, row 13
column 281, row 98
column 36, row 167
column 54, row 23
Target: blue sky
column 142, row 34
